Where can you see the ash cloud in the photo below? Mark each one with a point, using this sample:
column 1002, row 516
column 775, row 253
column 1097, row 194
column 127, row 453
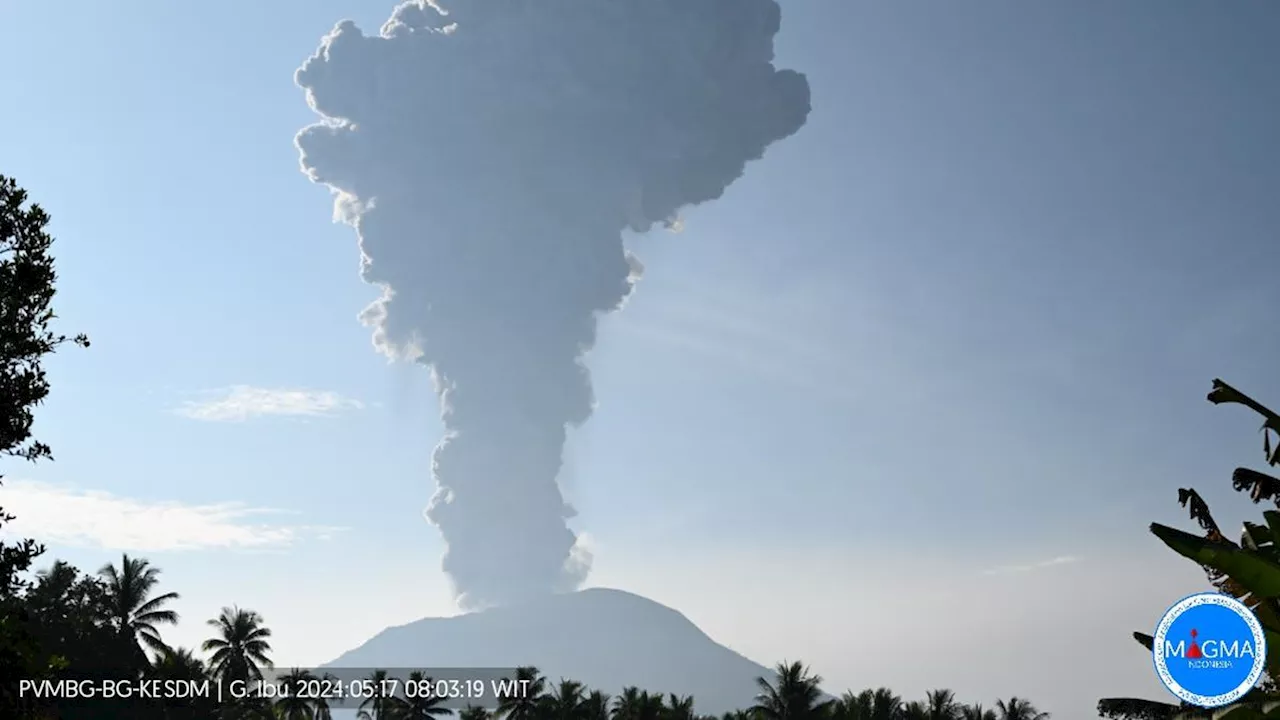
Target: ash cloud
column 489, row 157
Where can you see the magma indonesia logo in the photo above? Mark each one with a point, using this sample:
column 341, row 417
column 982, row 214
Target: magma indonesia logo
column 1209, row 649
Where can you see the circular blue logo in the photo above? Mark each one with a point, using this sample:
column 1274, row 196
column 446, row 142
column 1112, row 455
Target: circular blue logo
column 1209, row 649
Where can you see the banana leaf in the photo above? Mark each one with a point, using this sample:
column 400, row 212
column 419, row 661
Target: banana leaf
column 1257, row 574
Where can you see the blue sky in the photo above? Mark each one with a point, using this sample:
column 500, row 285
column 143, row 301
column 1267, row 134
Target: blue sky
column 920, row 379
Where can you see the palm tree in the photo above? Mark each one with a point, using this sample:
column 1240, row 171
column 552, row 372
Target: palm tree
column 182, row 665
column 1018, row 709
column 295, row 705
column 680, row 708
column 566, row 702
column 627, row 705
column 796, row 695
column 941, row 705
column 179, row 664
column 651, row 706
column 379, row 704
column 851, row 707
column 320, row 704
column 914, row 710
column 241, row 647
column 976, row 712
column 418, row 705
column 596, row 706
column 885, row 704
column 132, row 610
column 474, row 712
column 523, row 703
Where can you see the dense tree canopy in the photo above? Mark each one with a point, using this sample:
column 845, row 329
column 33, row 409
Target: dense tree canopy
column 27, row 288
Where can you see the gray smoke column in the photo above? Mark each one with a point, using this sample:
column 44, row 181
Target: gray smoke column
column 489, row 157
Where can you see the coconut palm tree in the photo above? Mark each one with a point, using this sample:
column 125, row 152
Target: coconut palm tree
column 627, row 705
column 914, row 710
column 851, row 706
column 133, row 611
column 418, row 705
column 976, row 712
column 379, row 705
column 596, row 706
column 295, row 705
column 680, row 708
column 795, row 696
column 523, row 703
column 941, row 705
column 320, row 706
column 1018, row 709
column 885, row 704
column 240, row 648
column 566, row 703
column 179, row 664
column 474, row 712
column 651, row 706
column 182, row 665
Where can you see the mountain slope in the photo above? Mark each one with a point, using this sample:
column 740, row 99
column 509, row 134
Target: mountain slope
column 605, row 638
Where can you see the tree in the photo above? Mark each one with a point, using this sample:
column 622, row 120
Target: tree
column 295, row 705
column 522, row 703
column 796, row 695
column 133, row 611
column 27, row 288
column 941, row 705
column 976, row 712
column 596, row 706
column 914, row 710
column 636, row 704
column 1018, row 709
column 181, row 664
column 379, row 704
column 680, row 708
column 240, row 648
column 566, row 703
column 1248, row 570
column 419, row 705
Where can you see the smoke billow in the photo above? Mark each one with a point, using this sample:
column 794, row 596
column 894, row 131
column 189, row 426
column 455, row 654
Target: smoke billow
column 489, row 157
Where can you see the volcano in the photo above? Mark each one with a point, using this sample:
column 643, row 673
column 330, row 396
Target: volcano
column 607, row 639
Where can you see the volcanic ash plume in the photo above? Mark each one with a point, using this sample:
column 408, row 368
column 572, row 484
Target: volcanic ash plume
column 489, row 158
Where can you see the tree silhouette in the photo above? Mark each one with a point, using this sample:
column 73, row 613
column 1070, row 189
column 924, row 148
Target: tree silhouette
column 239, row 652
column 419, row 705
column 941, row 705
column 133, row 611
column 378, row 704
column 295, row 705
column 795, row 695
column 27, row 288
column 523, row 703
column 1018, row 709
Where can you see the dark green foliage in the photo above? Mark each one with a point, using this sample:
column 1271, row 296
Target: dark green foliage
column 27, row 281
column 26, row 294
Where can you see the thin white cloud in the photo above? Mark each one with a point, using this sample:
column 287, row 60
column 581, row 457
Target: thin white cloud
column 1052, row 562
column 60, row 514
column 242, row 402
